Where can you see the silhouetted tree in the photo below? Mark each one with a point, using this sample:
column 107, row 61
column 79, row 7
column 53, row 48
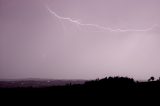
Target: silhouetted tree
column 151, row 79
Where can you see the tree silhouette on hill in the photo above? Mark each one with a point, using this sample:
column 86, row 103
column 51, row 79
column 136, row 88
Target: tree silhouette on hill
column 111, row 82
column 151, row 79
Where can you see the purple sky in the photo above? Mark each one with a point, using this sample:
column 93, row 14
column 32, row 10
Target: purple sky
column 79, row 39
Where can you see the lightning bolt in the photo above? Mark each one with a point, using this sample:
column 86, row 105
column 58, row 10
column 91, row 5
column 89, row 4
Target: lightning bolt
column 98, row 26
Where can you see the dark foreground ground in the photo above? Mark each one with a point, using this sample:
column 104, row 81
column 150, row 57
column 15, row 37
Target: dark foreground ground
column 108, row 90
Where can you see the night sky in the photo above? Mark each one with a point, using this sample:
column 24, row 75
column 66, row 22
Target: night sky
column 79, row 39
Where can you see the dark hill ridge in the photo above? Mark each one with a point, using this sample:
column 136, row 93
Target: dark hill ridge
column 109, row 88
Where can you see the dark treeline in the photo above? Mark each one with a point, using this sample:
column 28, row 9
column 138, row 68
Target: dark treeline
column 106, row 88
